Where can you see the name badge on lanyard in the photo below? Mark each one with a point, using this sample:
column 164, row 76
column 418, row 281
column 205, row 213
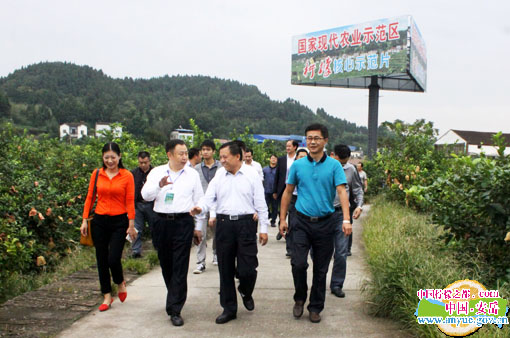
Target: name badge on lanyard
column 169, row 197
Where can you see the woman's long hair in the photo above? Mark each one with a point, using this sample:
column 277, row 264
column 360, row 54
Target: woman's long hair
column 113, row 147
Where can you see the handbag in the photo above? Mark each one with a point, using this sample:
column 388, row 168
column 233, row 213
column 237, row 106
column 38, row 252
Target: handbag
column 87, row 240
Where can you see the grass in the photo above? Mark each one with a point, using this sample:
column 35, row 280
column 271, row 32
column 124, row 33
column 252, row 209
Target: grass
column 17, row 284
column 79, row 259
column 405, row 254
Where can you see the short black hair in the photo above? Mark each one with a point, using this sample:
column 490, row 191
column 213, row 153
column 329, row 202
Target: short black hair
column 342, row 151
column 240, row 144
column 302, row 150
column 248, row 150
column 234, row 148
column 317, row 126
column 170, row 145
column 295, row 143
column 273, row 155
column 192, row 152
column 361, row 164
column 144, row 154
column 208, row 143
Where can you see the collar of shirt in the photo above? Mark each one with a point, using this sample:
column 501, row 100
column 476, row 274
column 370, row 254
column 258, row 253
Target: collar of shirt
column 102, row 172
column 215, row 164
column 324, row 156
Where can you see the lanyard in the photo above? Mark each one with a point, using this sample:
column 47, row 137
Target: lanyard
column 170, row 176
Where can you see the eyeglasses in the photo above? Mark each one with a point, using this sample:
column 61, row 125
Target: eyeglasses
column 316, row 138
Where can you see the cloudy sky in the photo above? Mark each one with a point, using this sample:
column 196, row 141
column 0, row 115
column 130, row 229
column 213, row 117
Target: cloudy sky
column 468, row 49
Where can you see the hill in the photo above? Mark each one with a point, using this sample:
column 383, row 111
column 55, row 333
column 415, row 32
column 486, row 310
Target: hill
column 44, row 95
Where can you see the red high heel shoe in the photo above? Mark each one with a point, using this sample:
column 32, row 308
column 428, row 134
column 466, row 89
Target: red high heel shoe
column 104, row 307
column 122, row 295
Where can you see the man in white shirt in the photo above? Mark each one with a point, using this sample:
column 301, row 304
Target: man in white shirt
column 237, row 195
column 175, row 188
column 248, row 160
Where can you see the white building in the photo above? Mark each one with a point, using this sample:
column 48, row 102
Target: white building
column 182, row 134
column 105, row 126
column 74, row 130
column 471, row 143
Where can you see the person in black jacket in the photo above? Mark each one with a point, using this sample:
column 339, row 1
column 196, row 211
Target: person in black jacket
column 143, row 209
column 282, row 169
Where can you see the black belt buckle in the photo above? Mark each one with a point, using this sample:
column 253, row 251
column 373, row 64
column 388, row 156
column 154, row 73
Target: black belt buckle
column 233, row 217
column 170, row 217
column 314, row 219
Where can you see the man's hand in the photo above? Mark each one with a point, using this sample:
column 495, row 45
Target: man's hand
column 347, row 229
column 195, row 211
column 283, row 228
column 197, row 237
column 356, row 213
column 212, row 222
column 275, row 196
column 164, row 181
column 255, row 217
column 263, row 239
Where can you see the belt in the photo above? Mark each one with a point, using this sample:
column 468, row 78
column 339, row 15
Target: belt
column 338, row 208
column 173, row 216
column 235, row 217
column 313, row 219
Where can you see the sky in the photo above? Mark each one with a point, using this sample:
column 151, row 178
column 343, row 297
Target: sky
column 468, row 49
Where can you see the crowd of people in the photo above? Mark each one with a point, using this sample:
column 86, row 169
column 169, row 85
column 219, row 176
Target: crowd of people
column 313, row 196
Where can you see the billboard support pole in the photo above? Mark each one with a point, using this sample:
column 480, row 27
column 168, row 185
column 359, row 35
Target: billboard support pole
column 373, row 112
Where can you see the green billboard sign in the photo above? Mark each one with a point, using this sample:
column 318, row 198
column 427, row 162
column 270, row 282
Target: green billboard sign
column 349, row 56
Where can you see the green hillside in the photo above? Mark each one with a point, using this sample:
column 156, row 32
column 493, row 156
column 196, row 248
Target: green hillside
column 44, row 95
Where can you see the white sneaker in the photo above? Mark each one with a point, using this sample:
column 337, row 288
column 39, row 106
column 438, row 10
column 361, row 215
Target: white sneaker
column 215, row 260
column 200, row 268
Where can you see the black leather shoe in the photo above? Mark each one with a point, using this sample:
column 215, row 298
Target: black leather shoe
column 177, row 320
column 297, row 311
column 248, row 302
column 338, row 292
column 225, row 317
column 315, row 317
column 278, row 236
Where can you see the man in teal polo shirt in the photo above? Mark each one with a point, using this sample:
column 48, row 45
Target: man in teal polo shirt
column 317, row 178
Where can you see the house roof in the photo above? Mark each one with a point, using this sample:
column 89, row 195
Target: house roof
column 74, row 124
column 478, row 137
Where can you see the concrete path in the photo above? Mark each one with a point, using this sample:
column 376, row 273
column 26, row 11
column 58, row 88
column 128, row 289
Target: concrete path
column 143, row 314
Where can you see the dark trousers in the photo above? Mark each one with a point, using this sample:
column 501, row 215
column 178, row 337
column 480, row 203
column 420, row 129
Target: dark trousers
column 143, row 213
column 236, row 240
column 272, row 208
column 290, row 224
column 318, row 236
column 109, row 236
column 173, row 242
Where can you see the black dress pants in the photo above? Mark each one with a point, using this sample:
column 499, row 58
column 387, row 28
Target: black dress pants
column 319, row 236
column 109, row 236
column 236, row 240
column 173, row 238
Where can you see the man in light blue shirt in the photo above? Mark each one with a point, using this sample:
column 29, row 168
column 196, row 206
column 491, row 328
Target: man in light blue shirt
column 317, row 177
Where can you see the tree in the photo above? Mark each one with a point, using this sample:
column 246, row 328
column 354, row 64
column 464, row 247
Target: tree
column 5, row 106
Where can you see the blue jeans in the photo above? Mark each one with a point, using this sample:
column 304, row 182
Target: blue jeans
column 340, row 256
column 143, row 213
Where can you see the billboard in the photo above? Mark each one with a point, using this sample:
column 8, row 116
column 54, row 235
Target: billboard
column 349, row 56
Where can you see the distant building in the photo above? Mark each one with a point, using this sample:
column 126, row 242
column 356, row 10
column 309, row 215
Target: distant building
column 182, row 134
column 471, row 143
column 73, row 130
column 106, row 126
column 283, row 138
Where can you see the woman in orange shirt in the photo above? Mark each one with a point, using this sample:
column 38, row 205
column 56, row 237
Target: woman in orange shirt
column 114, row 218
